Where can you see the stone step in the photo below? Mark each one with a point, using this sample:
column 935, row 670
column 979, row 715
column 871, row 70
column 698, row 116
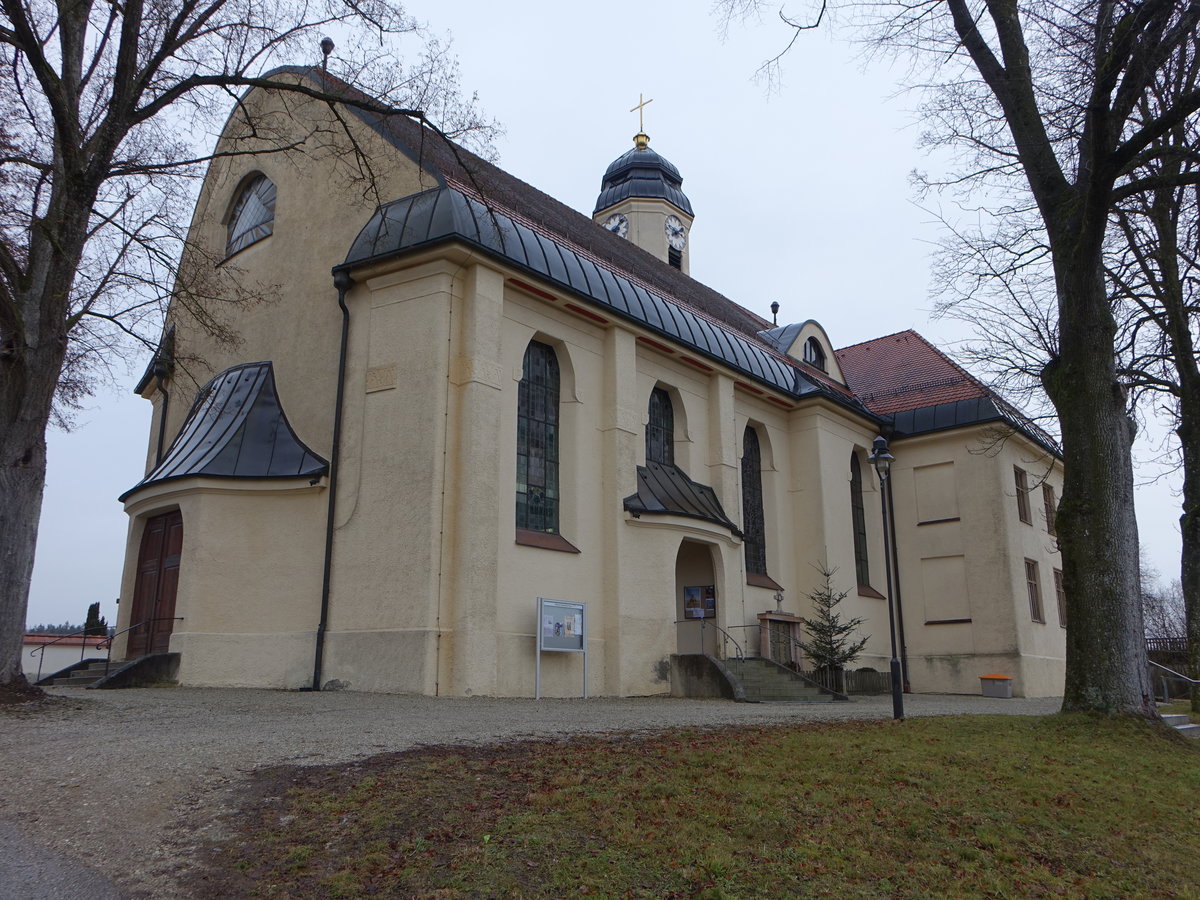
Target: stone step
column 1189, row 730
column 77, row 680
column 768, row 696
column 1176, row 719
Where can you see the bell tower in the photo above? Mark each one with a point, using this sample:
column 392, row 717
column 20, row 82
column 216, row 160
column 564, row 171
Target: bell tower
column 642, row 200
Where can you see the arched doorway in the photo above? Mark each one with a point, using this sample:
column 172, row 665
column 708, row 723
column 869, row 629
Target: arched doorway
column 157, row 581
column 696, row 599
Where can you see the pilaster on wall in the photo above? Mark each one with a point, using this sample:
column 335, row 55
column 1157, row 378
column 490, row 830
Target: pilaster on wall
column 723, row 444
column 470, row 544
column 620, row 435
column 807, row 498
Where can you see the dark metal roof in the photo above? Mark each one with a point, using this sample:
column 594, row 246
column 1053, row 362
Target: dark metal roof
column 448, row 213
column 972, row 411
column 641, row 172
column 237, row 429
column 666, row 490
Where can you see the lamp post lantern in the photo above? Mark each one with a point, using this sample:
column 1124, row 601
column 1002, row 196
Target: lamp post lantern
column 882, row 460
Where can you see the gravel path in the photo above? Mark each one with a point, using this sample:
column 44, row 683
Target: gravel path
column 114, row 788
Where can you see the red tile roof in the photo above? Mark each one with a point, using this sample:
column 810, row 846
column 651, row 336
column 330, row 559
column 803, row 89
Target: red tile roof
column 904, row 371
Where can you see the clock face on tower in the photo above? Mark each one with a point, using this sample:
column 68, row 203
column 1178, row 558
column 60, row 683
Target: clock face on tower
column 617, row 224
column 676, row 233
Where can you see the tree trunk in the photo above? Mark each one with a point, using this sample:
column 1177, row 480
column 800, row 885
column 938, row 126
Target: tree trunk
column 1096, row 524
column 1189, row 527
column 27, row 383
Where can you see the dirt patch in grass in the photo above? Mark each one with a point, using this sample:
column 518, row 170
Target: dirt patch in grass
column 966, row 807
column 19, row 691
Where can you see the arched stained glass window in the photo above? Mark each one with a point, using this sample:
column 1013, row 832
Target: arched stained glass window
column 660, row 429
column 813, row 354
column 253, row 216
column 754, row 536
column 537, row 440
column 860, row 522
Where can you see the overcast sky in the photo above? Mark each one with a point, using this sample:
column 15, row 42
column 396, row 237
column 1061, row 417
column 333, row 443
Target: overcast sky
column 801, row 196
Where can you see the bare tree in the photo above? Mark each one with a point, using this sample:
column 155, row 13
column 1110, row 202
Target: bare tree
column 1156, row 283
column 1042, row 102
column 109, row 111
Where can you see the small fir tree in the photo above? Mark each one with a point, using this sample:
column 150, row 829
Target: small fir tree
column 830, row 645
column 96, row 623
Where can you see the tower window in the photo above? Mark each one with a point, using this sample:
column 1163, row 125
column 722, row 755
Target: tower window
column 253, row 216
column 754, row 536
column 660, row 429
column 675, row 257
column 813, row 354
column 537, row 440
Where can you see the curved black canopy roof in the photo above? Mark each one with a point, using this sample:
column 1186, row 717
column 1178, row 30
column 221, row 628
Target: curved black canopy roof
column 448, row 213
column 641, row 172
column 666, row 490
column 237, row 429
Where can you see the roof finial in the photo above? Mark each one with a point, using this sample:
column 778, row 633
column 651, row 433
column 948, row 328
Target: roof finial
column 774, row 312
column 641, row 139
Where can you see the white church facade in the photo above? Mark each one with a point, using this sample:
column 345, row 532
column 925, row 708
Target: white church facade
column 468, row 396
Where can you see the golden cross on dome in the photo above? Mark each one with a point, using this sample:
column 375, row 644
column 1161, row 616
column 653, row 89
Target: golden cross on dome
column 640, row 110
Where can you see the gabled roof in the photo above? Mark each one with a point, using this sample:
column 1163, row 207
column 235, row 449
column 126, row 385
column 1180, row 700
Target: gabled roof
column 236, row 429
column 906, row 379
column 503, row 203
column 904, row 371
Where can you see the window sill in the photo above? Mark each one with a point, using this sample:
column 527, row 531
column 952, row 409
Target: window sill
column 948, row 622
column 865, row 590
column 940, row 521
column 545, row 541
column 754, row 579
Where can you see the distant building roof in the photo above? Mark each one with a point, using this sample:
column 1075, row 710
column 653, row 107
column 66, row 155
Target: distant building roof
column 236, row 429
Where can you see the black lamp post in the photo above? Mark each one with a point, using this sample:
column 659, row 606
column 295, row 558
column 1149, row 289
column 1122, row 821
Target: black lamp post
column 882, row 461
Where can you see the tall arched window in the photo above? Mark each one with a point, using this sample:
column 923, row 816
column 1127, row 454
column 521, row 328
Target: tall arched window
column 860, row 522
column 537, row 440
column 660, row 429
column 253, row 215
column 754, row 536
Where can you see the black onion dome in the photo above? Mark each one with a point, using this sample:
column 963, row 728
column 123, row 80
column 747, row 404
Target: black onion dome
column 641, row 172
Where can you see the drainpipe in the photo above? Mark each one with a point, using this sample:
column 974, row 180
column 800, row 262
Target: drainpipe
column 343, row 282
column 160, row 374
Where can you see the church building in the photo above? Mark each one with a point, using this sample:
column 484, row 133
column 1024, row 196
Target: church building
column 418, row 425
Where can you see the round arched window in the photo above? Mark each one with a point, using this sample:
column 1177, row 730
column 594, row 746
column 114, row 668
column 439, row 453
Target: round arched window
column 253, row 215
column 813, row 354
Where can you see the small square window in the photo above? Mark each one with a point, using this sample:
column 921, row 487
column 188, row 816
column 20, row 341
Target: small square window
column 1060, row 594
column 1033, row 584
column 1050, row 502
column 1022, row 480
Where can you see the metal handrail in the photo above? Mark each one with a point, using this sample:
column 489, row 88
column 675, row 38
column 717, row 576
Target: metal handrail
column 1173, row 672
column 116, row 634
column 62, row 637
column 725, row 635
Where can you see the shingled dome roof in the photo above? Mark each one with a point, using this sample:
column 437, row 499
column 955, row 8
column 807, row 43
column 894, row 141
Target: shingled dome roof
column 237, row 429
column 642, row 173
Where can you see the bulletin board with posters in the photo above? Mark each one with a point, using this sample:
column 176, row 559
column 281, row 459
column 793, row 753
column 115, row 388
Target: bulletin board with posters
column 561, row 628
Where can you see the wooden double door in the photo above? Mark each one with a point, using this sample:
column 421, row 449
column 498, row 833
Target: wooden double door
column 157, row 581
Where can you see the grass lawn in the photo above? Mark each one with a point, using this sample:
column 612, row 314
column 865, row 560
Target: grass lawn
column 987, row 806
